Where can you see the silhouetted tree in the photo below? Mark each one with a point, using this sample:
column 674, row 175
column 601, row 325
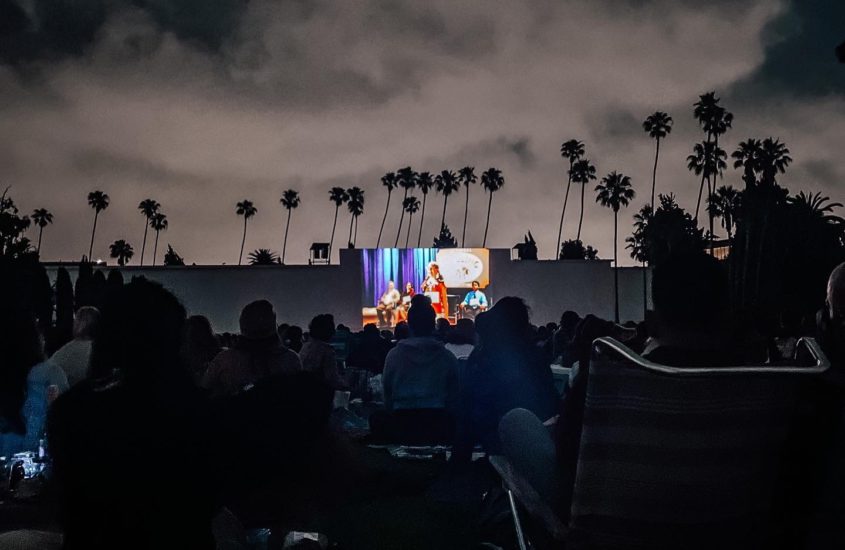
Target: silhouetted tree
column 64, row 308
column 389, row 181
column 491, row 180
column 575, row 250
column 290, row 200
column 447, row 183
column 148, row 209
column 339, row 197
column 171, row 258
column 571, row 150
column 468, row 178
column 725, row 204
column 411, row 205
column 83, row 289
column 445, row 239
column 356, row 208
column 12, row 227
column 582, row 172
column 246, row 209
column 263, row 256
column 407, row 179
column 670, row 228
column 122, row 251
column 715, row 121
column 424, row 183
column 159, row 223
column 657, row 125
column 42, row 219
column 99, row 201
column 637, row 247
column 707, row 160
column 614, row 192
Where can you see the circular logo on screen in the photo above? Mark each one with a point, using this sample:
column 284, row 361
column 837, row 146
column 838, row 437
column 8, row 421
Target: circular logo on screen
column 462, row 268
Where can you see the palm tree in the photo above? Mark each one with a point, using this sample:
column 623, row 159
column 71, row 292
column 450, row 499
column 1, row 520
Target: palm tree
column 725, row 204
column 582, row 172
column 148, row 208
column 773, row 160
column 468, row 177
column 390, row 181
column 708, row 161
column 158, row 223
column 424, row 183
column 246, row 209
column 408, row 180
column 715, row 121
column 747, row 156
column 410, row 205
column 121, row 250
column 491, row 180
column 42, row 218
column 614, row 192
column 290, row 200
column 99, row 201
column 356, row 208
column 338, row 196
column 263, row 256
column 814, row 205
column 657, row 125
column 572, row 150
column 447, row 183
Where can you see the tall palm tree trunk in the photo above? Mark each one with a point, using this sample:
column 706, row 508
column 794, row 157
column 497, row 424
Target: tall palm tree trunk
column 93, row 231
column 401, row 220
column 383, row 219
column 334, row 225
column 466, row 212
column 581, row 217
column 355, row 237
column 40, row 232
column 287, row 226
column 243, row 241
column 563, row 212
column 700, row 192
column 615, row 269
column 144, row 243
column 155, row 248
column 351, row 221
column 408, row 234
column 654, row 173
column 443, row 217
column 645, row 291
column 487, row 225
column 422, row 220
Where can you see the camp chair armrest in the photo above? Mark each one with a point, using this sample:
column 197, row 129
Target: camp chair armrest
column 528, row 497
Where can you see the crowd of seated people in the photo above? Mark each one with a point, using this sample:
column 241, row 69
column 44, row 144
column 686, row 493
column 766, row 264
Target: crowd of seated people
column 156, row 422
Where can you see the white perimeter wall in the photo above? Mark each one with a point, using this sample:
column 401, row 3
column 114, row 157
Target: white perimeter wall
column 300, row 292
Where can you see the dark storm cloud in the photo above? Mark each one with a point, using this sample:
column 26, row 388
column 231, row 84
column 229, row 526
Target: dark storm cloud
column 800, row 51
column 53, row 29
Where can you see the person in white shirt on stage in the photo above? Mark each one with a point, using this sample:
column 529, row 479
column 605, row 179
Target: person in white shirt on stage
column 387, row 304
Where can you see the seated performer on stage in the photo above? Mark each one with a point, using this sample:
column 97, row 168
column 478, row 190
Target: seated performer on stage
column 387, row 304
column 434, row 287
column 402, row 311
column 474, row 302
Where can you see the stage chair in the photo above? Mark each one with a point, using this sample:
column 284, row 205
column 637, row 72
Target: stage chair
column 673, row 457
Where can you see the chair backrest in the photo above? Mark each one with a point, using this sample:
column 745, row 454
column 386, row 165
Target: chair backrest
column 673, row 455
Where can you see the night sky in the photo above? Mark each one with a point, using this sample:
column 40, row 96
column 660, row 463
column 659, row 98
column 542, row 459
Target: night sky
column 199, row 107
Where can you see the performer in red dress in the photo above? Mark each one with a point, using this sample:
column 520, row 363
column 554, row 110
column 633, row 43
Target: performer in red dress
column 434, row 287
